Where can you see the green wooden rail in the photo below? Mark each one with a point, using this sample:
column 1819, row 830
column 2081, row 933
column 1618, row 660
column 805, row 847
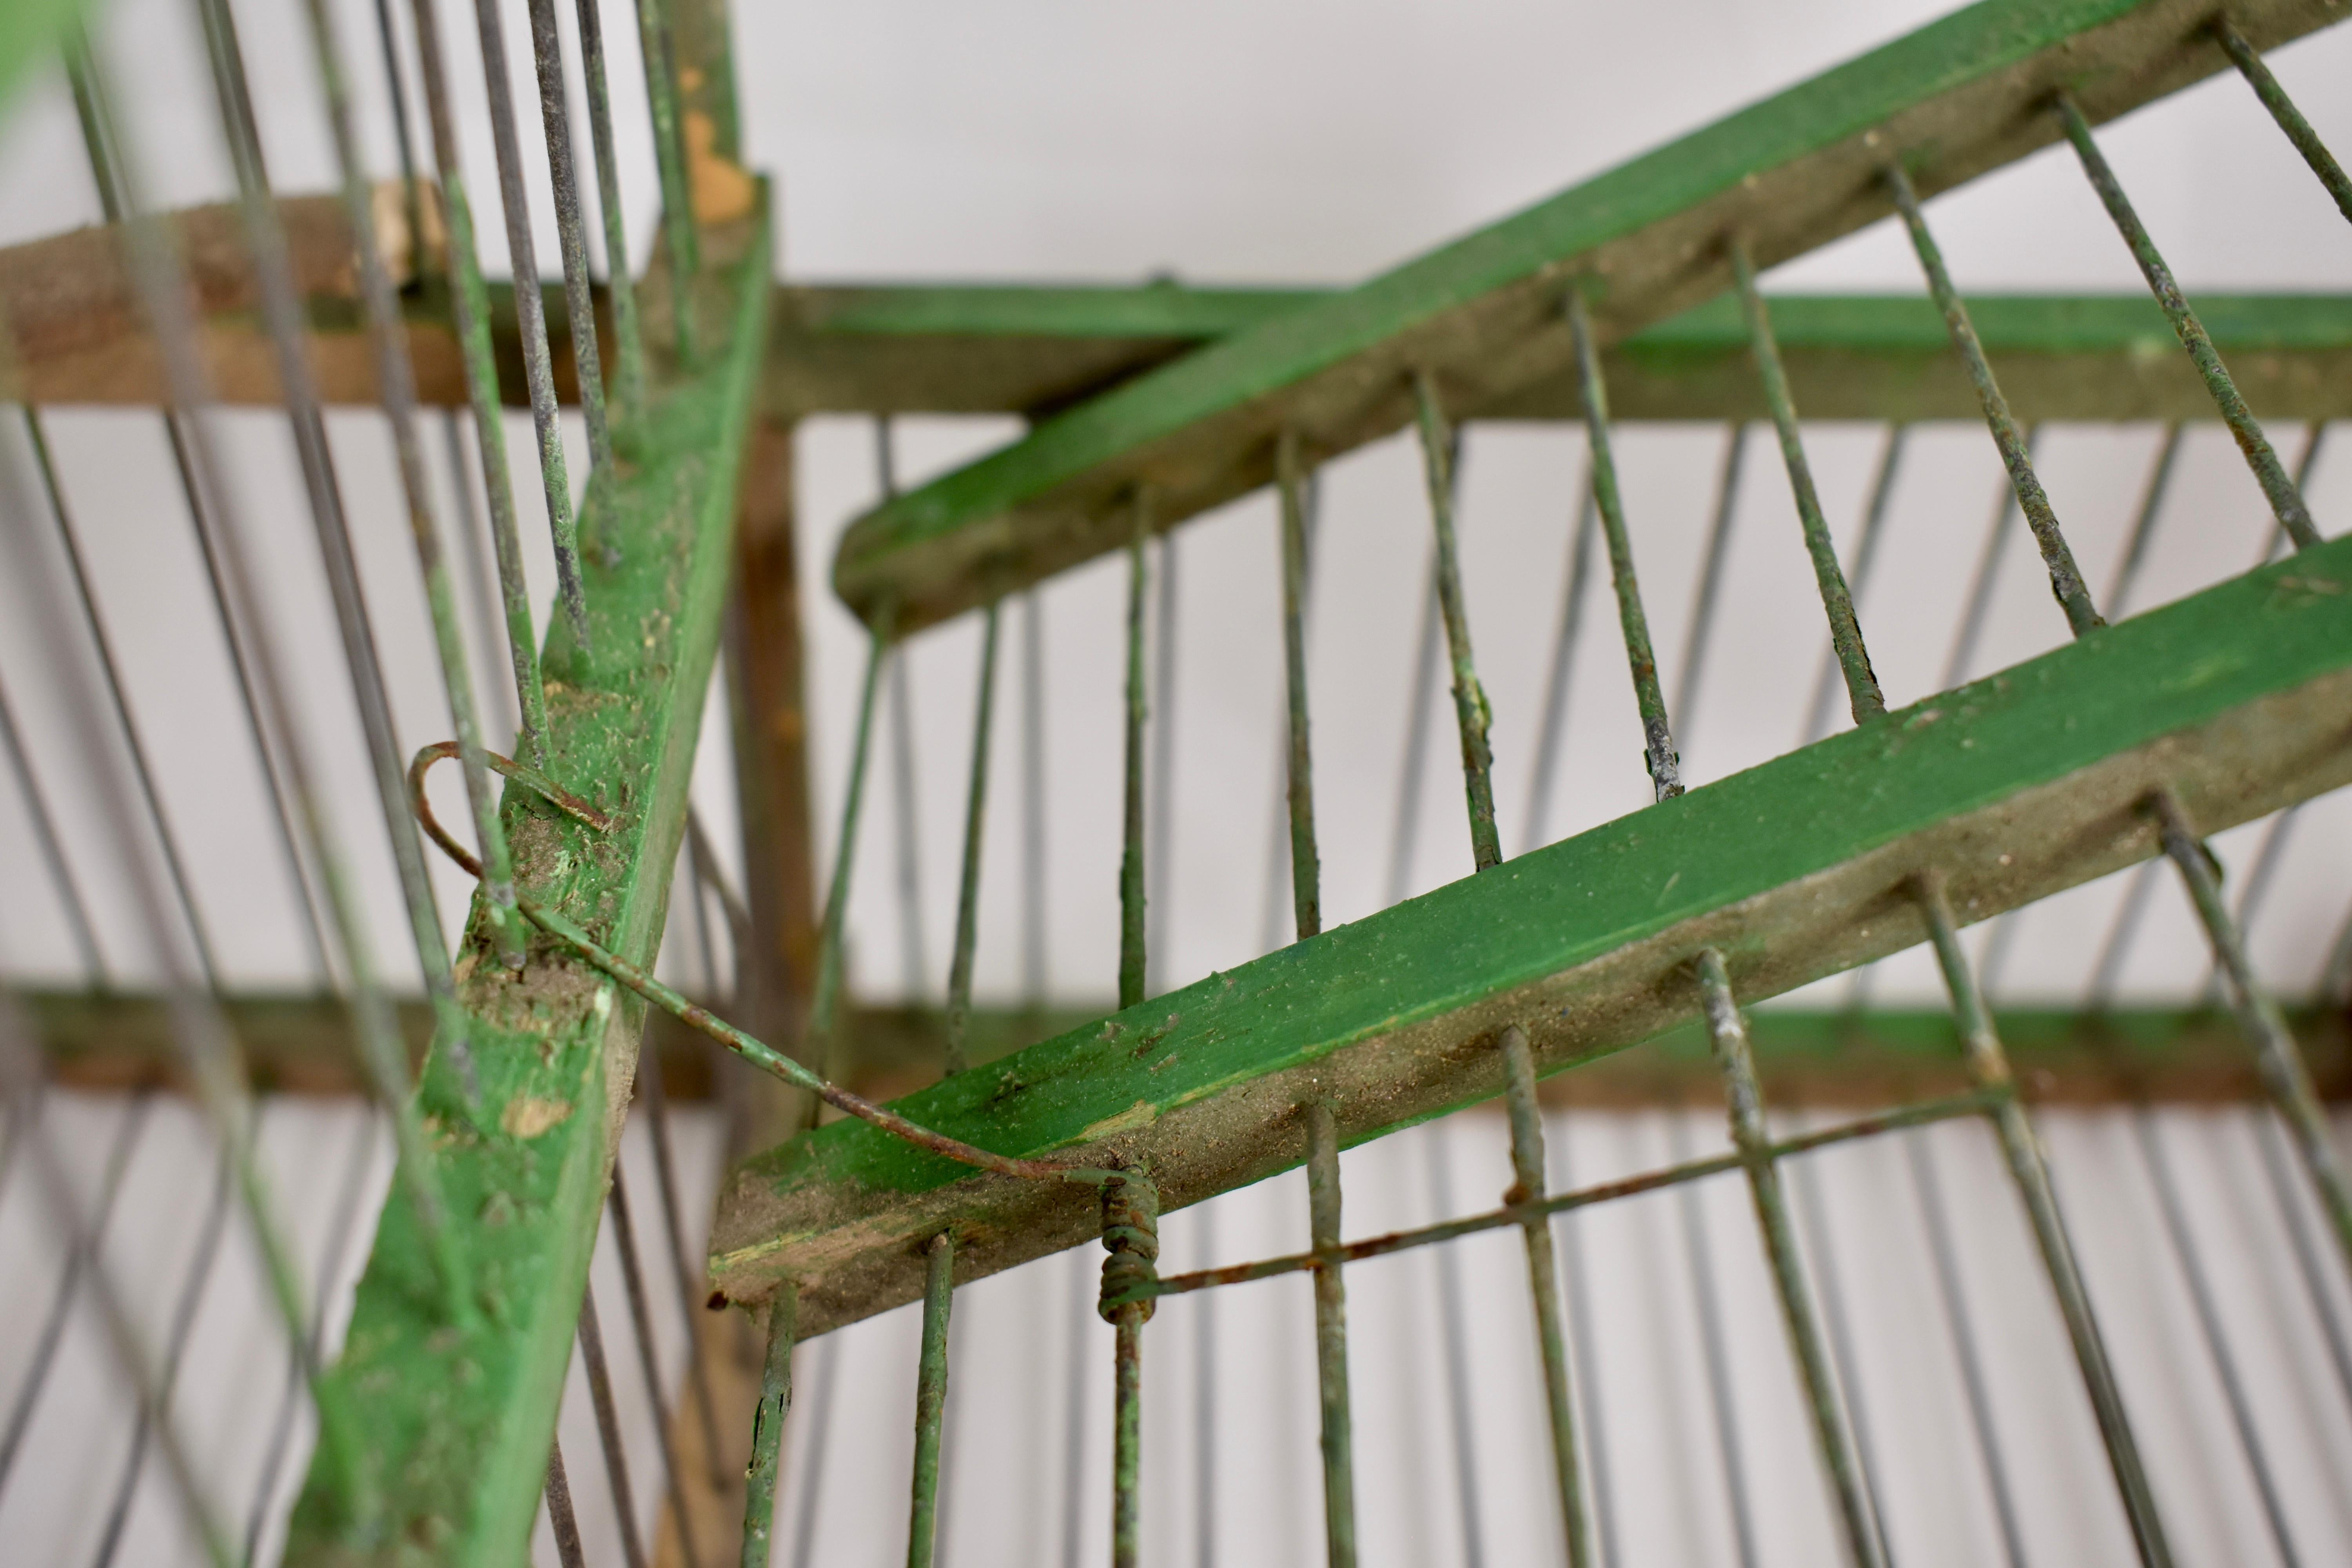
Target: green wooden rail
column 1482, row 315
column 2238, row 699
column 459, row 1419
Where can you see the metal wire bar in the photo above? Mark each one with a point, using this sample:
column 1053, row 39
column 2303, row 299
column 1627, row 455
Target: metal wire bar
column 1698, row 1255
column 397, row 94
column 51, row 848
column 1727, row 1033
column 641, row 1322
column 2315, row 440
column 1205, row 1435
column 110, row 670
column 1160, row 794
column 1131, row 954
column 2281, row 1182
column 669, row 164
column 1543, row 1279
column 469, row 310
column 1866, row 556
column 1130, row 1218
column 1554, row 727
column 1988, row 1065
column 481, row 573
column 1305, row 865
column 570, row 235
column 1339, row 1442
column 906, row 835
column 130, row 1129
column 943, row 1548
column 608, row 1428
column 209, row 1231
column 2065, row 577
column 1973, row 1103
column 561, row 1522
column 2158, row 1164
column 385, row 1054
column 1929, row 1189
column 530, row 323
column 1578, row 1313
column 1453, row 1344
column 975, row 815
column 2143, row 533
column 1033, row 799
column 1837, row 600
column 2290, row 119
column 682, row 1272
column 2286, row 500
column 825, row 1000
column 1471, row 712
column 1710, row 576
column 1073, row 1415
column 396, row 389
column 1658, row 738
column 332, row 1258
column 1419, row 706
column 199, row 1030
column 1981, row 587
column 930, row 1399
column 2279, row 1064
column 825, row 1376
column 1822, row 1247
column 20, row 1078
column 620, row 289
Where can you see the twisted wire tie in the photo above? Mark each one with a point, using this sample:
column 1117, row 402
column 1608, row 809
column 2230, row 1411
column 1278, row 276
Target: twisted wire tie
column 1131, row 1238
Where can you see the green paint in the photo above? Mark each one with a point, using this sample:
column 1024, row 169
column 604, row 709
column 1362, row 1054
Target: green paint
column 2123, row 686
column 459, row 1422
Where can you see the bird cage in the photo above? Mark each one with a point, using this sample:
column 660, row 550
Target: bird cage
column 1962, row 1282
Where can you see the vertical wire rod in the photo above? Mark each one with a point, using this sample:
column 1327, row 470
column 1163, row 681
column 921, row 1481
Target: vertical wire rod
column 1710, row 575
column 1132, row 953
column 1033, row 801
column 1690, row 1206
column 608, row 1428
column 386, row 1056
column 1159, row 792
column 1727, row 1033
column 766, row 1467
column 1552, row 734
column 823, row 1397
column 905, row 834
column 2029, row 1171
column 1405, row 837
column 682, row 1273
column 1837, row 600
column 1073, row 1419
column 1979, row 605
column 669, row 164
column 1928, row 1187
column 1130, row 1220
column 2257, row 72
column 824, row 1002
column 570, row 235
column 110, row 670
column 51, row 849
column 530, row 323
column 1339, row 1442
column 1205, row 1436
column 930, row 1399
column 20, row 1076
column 189, row 1298
column 2286, row 500
column 1454, row 1344
column 2158, row 1162
column 469, row 310
column 641, row 1324
column 1577, row 1309
column 1471, row 713
column 1305, row 865
column 1543, row 1279
column 397, row 390
column 1822, row 1247
column 1866, row 556
column 620, row 289
column 1657, row 735
column 2279, row 1064
column 198, row 1027
column 975, row 818
column 561, row 1522
column 2016, row 455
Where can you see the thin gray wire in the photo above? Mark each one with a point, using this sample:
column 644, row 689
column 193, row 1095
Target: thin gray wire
column 1826, row 685
column 1553, row 730
column 1454, row 1339
column 1278, row 906
column 632, row 1285
column 1585, row 1353
column 1033, row 799
column 1710, row 581
column 1162, row 832
column 1421, row 707
column 822, row 1376
column 51, row 846
column 1715, row 1358
column 1073, row 1456
column 1822, row 1247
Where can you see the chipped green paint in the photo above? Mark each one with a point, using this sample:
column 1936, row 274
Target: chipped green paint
column 460, row 1423
column 1411, row 985
column 1792, row 172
